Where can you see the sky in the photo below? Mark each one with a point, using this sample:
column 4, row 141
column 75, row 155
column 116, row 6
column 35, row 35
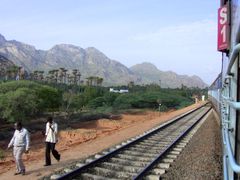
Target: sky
column 174, row 35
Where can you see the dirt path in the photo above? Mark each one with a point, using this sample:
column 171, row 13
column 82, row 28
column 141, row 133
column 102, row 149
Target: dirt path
column 88, row 139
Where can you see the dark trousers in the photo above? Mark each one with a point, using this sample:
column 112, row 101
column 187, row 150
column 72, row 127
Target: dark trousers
column 51, row 147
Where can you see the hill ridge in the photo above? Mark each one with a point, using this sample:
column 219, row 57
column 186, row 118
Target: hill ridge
column 91, row 62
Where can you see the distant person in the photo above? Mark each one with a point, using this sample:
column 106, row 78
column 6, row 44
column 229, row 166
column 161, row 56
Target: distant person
column 51, row 140
column 20, row 142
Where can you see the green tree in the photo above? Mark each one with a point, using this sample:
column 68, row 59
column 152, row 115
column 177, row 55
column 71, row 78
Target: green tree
column 110, row 98
column 49, row 98
column 91, row 93
column 19, row 104
column 71, row 102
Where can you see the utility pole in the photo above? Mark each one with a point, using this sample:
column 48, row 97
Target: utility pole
column 159, row 108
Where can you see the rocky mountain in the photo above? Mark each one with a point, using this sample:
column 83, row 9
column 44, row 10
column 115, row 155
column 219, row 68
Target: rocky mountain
column 5, row 65
column 90, row 62
column 150, row 74
column 21, row 54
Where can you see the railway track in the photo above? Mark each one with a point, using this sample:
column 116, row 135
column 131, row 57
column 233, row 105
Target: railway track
column 144, row 157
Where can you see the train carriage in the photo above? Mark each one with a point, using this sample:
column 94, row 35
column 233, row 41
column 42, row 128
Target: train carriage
column 225, row 92
column 214, row 93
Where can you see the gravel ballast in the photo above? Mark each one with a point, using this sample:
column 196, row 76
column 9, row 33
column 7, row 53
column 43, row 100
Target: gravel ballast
column 202, row 157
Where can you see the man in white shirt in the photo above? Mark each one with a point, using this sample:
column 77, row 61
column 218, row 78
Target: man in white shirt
column 20, row 142
column 51, row 140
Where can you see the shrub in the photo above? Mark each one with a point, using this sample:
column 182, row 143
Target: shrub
column 110, row 98
column 22, row 99
column 49, row 98
column 123, row 102
column 91, row 93
column 97, row 102
column 72, row 102
column 14, row 85
column 19, row 104
column 150, row 100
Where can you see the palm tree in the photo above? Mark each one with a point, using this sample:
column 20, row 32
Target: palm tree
column 78, row 78
column 65, row 76
column 31, row 76
column 35, row 75
column 90, row 80
column 99, row 81
column 131, row 84
column 40, row 75
column 95, row 79
column 71, row 79
column 51, row 76
column 12, row 72
column 3, row 73
column 61, row 72
column 21, row 72
column 56, row 71
column 47, row 78
column 8, row 74
column 74, row 73
column 68, row 78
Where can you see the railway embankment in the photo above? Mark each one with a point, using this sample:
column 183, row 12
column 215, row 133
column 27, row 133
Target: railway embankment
column 82, row 150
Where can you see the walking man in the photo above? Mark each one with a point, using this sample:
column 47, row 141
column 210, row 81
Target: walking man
column 51, row 140
column 20, row 143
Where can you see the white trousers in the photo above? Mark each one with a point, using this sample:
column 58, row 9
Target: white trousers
column 17, row 153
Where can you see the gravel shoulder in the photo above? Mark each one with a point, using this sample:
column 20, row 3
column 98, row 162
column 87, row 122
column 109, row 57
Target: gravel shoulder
column 201, row 159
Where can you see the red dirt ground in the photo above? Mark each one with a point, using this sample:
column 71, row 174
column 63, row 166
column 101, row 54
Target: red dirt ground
column 88, row 139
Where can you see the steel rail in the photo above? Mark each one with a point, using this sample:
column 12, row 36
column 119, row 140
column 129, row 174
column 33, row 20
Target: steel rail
column 169, row 147
column 110, row 154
